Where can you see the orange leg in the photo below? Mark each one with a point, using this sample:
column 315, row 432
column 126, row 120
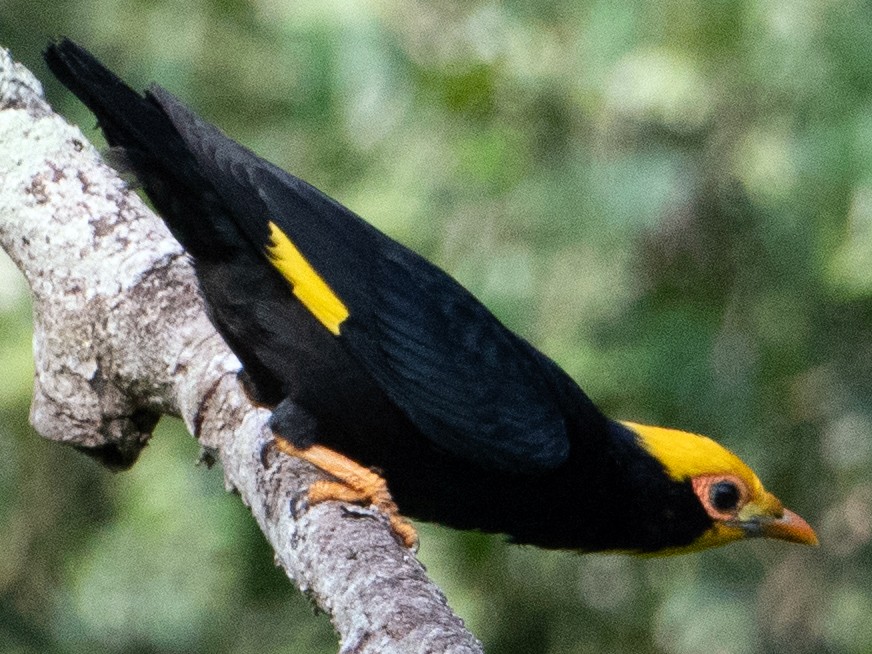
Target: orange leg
column 355, row 484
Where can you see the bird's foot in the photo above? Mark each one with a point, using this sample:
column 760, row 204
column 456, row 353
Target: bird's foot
column 354, row 483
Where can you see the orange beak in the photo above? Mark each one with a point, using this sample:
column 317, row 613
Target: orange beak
column 766, row 517
column 789, row 527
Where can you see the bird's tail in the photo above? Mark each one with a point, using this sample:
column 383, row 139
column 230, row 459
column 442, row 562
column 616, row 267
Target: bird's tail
column 152, row 147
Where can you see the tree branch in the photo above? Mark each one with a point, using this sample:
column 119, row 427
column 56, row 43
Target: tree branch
column 121, row 337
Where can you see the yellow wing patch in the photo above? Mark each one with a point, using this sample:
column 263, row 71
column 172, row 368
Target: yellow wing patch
column 309, row 287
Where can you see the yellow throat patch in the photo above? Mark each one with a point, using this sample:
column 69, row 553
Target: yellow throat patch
column 307, row 285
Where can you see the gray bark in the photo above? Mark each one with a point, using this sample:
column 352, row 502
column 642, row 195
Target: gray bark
column 121, row 337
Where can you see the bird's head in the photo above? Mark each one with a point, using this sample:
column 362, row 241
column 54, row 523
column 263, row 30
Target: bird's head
column 728, row 490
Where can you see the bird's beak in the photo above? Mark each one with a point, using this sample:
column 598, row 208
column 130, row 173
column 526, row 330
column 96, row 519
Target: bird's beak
column 789, row 527
column 768, row 519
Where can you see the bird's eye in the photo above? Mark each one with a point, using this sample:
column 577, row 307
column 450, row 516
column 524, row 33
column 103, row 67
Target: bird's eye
column 724, row 496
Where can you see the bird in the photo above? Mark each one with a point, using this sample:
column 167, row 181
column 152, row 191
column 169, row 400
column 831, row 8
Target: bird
column 393, row 379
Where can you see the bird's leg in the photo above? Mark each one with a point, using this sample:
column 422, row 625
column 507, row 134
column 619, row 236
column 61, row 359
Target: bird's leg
column 354, row 483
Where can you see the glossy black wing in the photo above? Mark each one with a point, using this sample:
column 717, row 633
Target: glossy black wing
column 470, row 385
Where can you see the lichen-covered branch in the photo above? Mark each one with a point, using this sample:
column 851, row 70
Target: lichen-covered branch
column 121, row 337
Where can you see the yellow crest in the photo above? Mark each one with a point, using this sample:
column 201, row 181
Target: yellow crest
column 686, row 455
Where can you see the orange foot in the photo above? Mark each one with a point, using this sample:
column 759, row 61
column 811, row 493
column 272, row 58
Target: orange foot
column 355, row 484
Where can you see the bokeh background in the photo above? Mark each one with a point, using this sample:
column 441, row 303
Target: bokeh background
column 673, row 199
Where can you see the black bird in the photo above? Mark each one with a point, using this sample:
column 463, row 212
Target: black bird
column 372, row 358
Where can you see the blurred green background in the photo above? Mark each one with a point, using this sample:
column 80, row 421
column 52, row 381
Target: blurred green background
column 672, row 199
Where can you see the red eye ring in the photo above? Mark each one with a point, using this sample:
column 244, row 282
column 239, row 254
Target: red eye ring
column 722, row 496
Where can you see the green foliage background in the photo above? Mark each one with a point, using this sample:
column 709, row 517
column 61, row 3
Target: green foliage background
column 673, row 199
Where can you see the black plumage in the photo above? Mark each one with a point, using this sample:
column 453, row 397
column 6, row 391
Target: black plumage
column 470, row 425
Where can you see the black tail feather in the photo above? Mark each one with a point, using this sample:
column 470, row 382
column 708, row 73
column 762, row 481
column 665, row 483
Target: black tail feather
column 153, row 149
column 124, row 115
